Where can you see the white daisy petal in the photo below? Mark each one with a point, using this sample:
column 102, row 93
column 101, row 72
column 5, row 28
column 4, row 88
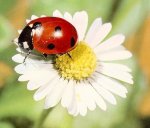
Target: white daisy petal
column 18, row 58
column 110, row 43
column 72, row 108
column 93, row 29
column 80, row 21
column 33, row 17
column 68, row 94
column 38, row 80
column 45, row 89
column 97, row 98
column 88, row 97
column 15, row 41
column 23, row 78
column 55, row 95
column 82, row 107
column 110, row 82
column 120, row 75
column 22, row 68
column 57, row 13
column 19, row 31
column 111, row 85
column 18, row 49
column 115, row 66
column 28, row 75
column 36, row 71
column 27, row 21
column 114, row 55
column 103, row 92
column 32, row 85
column 68, row 17
column 101, row 34
column 43, row 15
column 118, row 48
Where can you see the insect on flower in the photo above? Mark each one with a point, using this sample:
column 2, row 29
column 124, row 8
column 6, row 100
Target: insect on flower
column 48, row 35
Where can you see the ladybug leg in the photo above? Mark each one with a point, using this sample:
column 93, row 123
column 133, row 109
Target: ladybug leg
column 45, row 55
column 26, row 56
column 69, row 55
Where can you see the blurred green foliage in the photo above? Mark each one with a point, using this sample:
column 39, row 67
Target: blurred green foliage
column 16, row 101
column 5, row 33
column 6, row 5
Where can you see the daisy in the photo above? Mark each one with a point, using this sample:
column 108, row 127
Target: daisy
column 93, row 75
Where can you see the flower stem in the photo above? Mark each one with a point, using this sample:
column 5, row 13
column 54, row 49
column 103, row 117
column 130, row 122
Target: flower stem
column 42, row 118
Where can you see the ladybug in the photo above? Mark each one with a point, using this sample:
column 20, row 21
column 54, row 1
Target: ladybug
column 48, row 35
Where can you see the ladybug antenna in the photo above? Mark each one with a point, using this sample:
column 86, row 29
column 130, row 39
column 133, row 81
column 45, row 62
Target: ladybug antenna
column 26, row 56
column 69, row 55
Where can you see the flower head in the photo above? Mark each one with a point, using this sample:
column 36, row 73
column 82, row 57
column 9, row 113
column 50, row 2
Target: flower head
column 85, row 80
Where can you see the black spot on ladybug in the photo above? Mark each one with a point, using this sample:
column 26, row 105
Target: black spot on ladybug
column 51, row 46
column 36, row 25
column 72, row 42
column 57, row 28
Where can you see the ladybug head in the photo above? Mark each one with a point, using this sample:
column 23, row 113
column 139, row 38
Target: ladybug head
column 25, row 40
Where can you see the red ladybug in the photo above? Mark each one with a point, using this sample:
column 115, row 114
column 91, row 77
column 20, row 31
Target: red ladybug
column 48, row 35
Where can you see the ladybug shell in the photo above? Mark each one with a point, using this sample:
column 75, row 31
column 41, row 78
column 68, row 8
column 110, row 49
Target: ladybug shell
column 54, row 36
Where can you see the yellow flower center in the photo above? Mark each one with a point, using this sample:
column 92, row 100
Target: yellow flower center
column 81, row 64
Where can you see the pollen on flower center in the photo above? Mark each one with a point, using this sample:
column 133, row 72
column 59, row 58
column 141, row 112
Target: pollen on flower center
column 81, row 64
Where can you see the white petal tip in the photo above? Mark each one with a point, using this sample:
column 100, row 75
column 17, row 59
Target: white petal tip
column 36, row 97
column 22, row 78
column 83, row 114
column 29, row 87
column 124, row 96
column 27, row 21
column 131, row 82
column 84, row 12
column 104, row 109
column 43, row 15
column 33, row 17
column 15, row 40
column 14, row 58
column 99, row 20
column 57, row 13
column 19, row 31
column 109, row 26
column 18, row 58
column 18, row 49
column 121, row 36
column 46, row 106
column 129, row 54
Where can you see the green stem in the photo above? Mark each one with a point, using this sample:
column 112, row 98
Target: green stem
column 42, row 118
